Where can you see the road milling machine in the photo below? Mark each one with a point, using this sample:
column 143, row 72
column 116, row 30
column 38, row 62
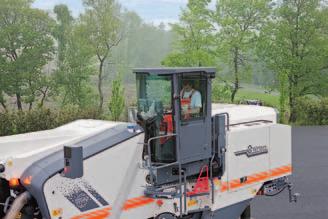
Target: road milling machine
column 184, row 157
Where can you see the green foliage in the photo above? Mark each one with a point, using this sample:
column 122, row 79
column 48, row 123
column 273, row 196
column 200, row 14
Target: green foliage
column 282, row 46
column 283, row 98
column 195, row 37
column 295, row 45
column 26, row 45
column 100, row 25
column 21, row 122
column 239, row 22
column 312, row 111
column 75, row 70
column 17, row 122
column 63, row 29
column 117, row 102
column 71, row 113
column 220, row 92
column 36, row 71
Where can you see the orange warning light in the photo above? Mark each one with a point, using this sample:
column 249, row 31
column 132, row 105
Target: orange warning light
column 14, row 182
column 27, row 180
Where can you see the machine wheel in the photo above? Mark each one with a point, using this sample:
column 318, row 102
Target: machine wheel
column 166, row 216
column 247, row 213
column 4, row 194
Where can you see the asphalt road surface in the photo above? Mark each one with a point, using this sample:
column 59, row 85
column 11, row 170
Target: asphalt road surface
column 310, row 179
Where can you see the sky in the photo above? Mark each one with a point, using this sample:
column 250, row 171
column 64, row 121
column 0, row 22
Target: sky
column 151, row 11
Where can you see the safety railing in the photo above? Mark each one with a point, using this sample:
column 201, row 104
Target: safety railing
column 149, row 162
column 182, row 175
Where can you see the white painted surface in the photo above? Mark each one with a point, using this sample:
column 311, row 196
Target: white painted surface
column 33, row 146
column 245, row 113
column 24, row 149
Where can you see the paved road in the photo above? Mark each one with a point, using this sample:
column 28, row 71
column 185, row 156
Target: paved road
column 310, row 177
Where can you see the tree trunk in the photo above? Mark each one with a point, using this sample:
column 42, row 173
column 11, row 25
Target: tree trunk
column 236, row 71
column 292, row 98
column 19, row 101
column 4, row 106
column 292, row 107
column 100, row 80
column 44, row 95
column 42, row 100
column 233, row 94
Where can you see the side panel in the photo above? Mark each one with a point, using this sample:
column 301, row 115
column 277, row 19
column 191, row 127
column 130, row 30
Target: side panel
column 242, row 165
column 245, row 175
column 280, row 148
column 39, row 172
column 105, row 186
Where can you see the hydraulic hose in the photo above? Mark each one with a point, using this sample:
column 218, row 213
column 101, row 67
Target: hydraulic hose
column 17, row 205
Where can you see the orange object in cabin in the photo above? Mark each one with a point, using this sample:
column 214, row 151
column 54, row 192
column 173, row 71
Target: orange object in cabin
column 166, row 126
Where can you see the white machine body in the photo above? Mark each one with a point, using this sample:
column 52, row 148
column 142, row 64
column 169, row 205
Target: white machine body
column 258, row 150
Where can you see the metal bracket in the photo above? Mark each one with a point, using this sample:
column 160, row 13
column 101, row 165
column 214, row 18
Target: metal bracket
column 292, row 197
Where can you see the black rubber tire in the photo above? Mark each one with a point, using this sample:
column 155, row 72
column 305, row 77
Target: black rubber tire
column 246, row 213
column 166, row 216
column 4, row 194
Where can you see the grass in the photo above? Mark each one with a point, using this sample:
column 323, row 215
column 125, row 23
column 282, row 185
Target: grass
column 268, row 99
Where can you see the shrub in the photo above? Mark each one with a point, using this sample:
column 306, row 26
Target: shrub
column 70, row 113
column 17, row 122
column 312, row 111
column 220, row 92
column 116, row 103
column 6, row 124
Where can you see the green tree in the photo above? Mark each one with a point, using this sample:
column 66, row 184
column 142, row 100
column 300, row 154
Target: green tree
column 195, row 37
column 73, row 78
column 295, row 45
column 63, row 28
column 26, row 45
column 74, row 61
column 117, row 102
column 101, row 23
column 2, row 83
column 143, row 45
column 239, row 23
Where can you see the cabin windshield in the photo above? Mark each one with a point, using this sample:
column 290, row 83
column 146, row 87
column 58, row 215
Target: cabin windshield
column 155, row 112
column 154, row 95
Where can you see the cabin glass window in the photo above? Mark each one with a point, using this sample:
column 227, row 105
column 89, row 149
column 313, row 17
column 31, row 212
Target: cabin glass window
column 154, row 94
column 155, row 107
column 193, row 97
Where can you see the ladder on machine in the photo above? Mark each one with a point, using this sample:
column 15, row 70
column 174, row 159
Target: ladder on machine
column 182, row 184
